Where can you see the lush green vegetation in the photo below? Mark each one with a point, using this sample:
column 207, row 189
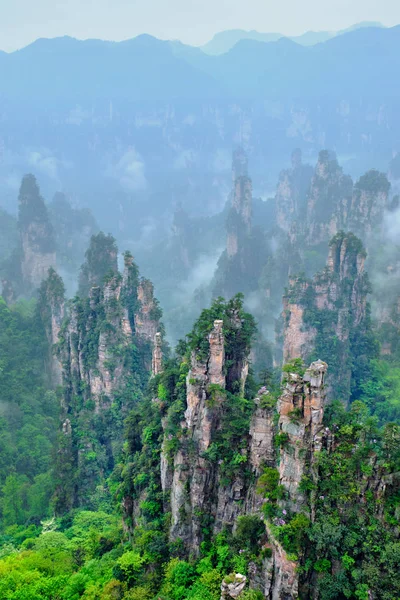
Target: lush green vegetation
column 83, row 513
column 28, row 417
column 101, row 259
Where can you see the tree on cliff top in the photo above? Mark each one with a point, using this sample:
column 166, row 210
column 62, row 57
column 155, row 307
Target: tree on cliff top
column 101, row 259
column 33, row 218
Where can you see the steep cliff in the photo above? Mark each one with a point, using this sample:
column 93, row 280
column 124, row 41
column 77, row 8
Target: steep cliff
column 37, row 238
column 239, row 218
column 291, row 193
column 101, row 260
column 240, row 265
column 301, row 410
column 51, row 306
column 328, row 317
column 369, row 202
column 328, row 200
column 106, row 346
column 205, row 479
column 313, row 209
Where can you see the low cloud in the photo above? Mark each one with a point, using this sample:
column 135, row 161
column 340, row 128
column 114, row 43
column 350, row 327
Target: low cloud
column 129, row 171
column 185, row 159
column 44, row 162
column 200, row 275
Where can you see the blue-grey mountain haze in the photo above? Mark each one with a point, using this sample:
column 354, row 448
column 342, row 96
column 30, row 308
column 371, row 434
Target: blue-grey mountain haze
column 191, row 21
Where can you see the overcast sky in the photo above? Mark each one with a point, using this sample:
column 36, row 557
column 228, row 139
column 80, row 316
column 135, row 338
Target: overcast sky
column 192, row 21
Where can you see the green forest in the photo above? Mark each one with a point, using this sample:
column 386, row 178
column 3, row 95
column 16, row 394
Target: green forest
column 229, row 463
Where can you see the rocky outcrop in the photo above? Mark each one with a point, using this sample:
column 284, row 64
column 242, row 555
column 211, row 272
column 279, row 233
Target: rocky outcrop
column 240, row 215
column 313, row 209
column 37, row 239
column 157, row 355
column 261, row 445
column 328, row 201
column 52, row 311
column 194, row 483
column 106, row 365
column 280, row 577
column 147, row 315
column 233, row 586
column 291, row 194
column 102, row 327
column 193, row 487
column 321, row 315
column 301, row 410
column 298, row 339
column 369, row 203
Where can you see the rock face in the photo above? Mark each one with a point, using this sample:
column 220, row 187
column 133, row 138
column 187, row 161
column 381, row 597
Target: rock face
column 291, row 194
column 312, row 208
column 261, row 436
column 104, row 358
column 369, row 202
column 280, row 578
column 192, row 481
column 37, row 240
column 328, row 201
column 146, row 322
column 157, row 355
column 233, row 589
column 52, row 311
column 301, row 410
column 240, row 215
column 116, row 314
column 335, row 302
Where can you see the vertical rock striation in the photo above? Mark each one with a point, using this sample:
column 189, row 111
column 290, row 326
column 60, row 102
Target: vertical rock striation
column 301, row 410
column 327, row 315
column 195, row 483
column 240, row 215
column 328, row 201
column 106, row 365
column 369, row 202
column 52, row 311
column 291, row 193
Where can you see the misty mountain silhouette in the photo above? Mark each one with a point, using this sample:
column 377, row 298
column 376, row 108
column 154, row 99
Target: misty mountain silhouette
column 64, row 69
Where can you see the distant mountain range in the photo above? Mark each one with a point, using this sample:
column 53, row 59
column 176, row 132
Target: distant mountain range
column 225, row 40
column 59, row 71
column 155, row 121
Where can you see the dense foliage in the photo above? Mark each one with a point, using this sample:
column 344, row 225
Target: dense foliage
column 28, row 418
column 83, row 511
column 101, row 259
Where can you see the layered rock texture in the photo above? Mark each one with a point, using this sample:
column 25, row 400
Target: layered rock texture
column 106, row 345
column 196, row 487
column 328, row 200
column 301, row 411
column 224, row 462
column 329, row 315
column 312, row 209
column 52, row 311
column 239, row 218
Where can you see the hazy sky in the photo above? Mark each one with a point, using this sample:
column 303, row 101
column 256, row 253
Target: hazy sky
column 192, row 21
